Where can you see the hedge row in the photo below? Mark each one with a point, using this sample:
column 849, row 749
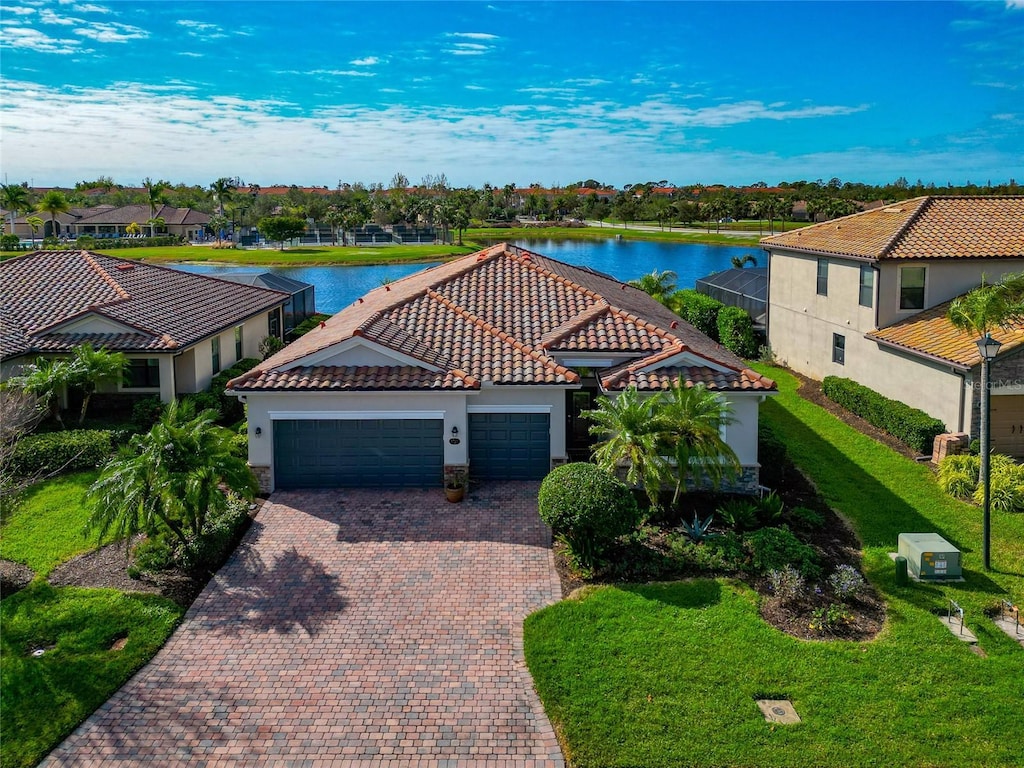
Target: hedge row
column 909, row 425
column 729, row 326
column 88, row 242
column 64, row 451
column 231, row 408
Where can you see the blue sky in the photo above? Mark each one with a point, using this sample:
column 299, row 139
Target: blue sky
column 691, row 92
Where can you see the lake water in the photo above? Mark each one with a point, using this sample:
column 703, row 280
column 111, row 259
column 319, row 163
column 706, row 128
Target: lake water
column 337, row 286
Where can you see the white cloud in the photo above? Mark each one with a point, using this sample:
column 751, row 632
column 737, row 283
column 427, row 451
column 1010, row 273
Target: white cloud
column 46, row 16
column 29, row 39
column 369, row 61
column 201, row 29
column 1005, row 116
column 89, row 8
column 475, row 88
column 20, row 10
column 1015, row 5
column 111, row 32
column 191, row 54
column 474, row 35
column 340, row 72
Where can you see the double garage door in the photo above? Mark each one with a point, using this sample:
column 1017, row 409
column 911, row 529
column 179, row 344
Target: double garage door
column 381, row 453
column 392, row 453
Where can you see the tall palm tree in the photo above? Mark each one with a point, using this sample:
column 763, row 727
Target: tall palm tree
column 657, row 285
column 169, row 478
column 632, row 439
column 15, row 198
column 36, row 224
column 693, row 421
column 988, row 306
column 92, row 367
column 155, row 193
column 53, row 202
column 46, row 379
column 222, row 189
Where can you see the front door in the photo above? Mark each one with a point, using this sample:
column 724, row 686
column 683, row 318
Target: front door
column 578, row 440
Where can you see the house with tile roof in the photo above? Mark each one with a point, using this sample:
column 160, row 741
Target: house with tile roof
column 177, row 329
column 483, row 364
column 104, row 221
column 865, row 297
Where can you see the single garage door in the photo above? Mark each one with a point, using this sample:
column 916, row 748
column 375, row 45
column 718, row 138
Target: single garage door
column 1008, row 424
column 384, row 453
column 509, row 446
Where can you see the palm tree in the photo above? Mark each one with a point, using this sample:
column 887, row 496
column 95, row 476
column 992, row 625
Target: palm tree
column 46, row 379
column 36, row 224
column 155, row 223
column 657, row 285
column 222, row 189
column 170, row 477
column 694, row 417
column 739, row 262
column 14, row 198
column 155, row 194
column 53, row 202
column 91, row 367
column 632, row 432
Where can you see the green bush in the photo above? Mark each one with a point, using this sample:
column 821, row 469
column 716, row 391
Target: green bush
column 909, row 425
column 231, row 408
column 772, row 549
column 61, row 451
column 736, row 332
column 146, row 412
column 698, row 310
column 153, row 554
column 86, row 242
column 958, row 475
column 1006, row 485
column 221, row 533
column 587, row 509
column 307, row 325
column 771, row 455
column 9, row 242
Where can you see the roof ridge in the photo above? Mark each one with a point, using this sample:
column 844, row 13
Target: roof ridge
column 380, row 317
column 104, row 275
column 575, row 323
column 503, row 335
column 529, row 263
column 923, row 204
column 645, row 324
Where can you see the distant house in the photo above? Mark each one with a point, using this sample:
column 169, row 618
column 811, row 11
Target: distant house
column 177, row 329
column 302, row 302
column 746, row 288
column 107, row 221
column 865, row 297
column 485, row 364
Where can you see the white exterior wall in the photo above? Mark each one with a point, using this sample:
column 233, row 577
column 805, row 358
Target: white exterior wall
column 741, row 435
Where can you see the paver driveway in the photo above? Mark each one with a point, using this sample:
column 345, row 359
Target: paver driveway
column 351, row 628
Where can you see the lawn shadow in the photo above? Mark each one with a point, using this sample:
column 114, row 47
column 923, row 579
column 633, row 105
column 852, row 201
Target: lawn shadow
column 293, row 592
column 693, row 593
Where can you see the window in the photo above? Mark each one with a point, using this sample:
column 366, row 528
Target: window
column 274, row 324
column 867, row 285
column 912, row 288
column 838, row 349
column 823, row 277
column 142, row 373
column 215, row 353
column 238, row 342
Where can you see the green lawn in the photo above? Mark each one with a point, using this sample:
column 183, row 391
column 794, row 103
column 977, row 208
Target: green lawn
column 48, row 528
column 666, row 675
column 46, row 697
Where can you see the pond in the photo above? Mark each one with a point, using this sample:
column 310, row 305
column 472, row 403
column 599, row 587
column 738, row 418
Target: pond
column 339, row 286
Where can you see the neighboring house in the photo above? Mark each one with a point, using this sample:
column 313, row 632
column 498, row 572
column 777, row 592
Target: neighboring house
column 302, row 302
column 484, row 363
column 865, row 296
column 177, row 329
column 183, row 222
column 746, row 288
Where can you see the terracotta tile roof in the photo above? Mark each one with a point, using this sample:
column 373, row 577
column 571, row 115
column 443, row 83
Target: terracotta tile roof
column 140, row 214
column 930, row 334
column 665, row 378
column 354, row 379
column 922, row 228
column 500, row 316
column 162, row 309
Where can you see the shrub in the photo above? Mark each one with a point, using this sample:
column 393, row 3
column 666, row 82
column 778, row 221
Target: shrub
column 61, row 451
column 738, row 514
column 806, row 517
column 909, row 425
column 587, row 509
column 1006, row 485
column 846, row 582
column 774, row 548
column 220, row 534
column 269, row 345
column 725, row 552
column 769, row 508
column 146, row 412
column 308, row 325
column 203, row 401
column 9, row 242
column 771, row 454
column 958, row 475
column 86, row 242
column 231, row 408
column 830, row 619
column 786, row 583
column 736, row 332
column 153, row 554
column 698, row 310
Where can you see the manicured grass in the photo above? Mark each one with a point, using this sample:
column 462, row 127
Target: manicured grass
column 298, row 256
column 605, row 232
column 46, row 697
column 48, row 528
column 666, row 675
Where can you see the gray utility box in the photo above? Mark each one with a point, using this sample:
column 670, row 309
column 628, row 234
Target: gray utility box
column 929, row 556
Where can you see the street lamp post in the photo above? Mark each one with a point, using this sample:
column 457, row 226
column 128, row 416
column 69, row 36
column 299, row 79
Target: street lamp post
column 989, row 348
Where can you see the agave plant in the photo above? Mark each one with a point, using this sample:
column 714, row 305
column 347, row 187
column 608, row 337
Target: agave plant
column 699, row 530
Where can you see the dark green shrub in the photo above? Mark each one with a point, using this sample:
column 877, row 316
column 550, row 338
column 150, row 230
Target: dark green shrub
column 736, row 332
column 220, row 535
column 9, row 242
column 230, row 407
column 61, row 451
column 771, row 549
column 146, row 412
column 86, row 242
column 805, row 517
column 738, row 514
column 203, row 401
column 698, row 310
column 771, row 455
column 725, row 552
column 51, row 242
column 153, row 554
column 587, row 509
column 909, row 425
column 307, row 325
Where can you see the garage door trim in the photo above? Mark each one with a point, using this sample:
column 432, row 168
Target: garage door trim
column 353, row 415
column 509, row 408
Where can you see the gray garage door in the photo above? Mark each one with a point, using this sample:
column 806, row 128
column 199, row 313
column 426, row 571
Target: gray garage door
column 384, row 453
column 509, row 446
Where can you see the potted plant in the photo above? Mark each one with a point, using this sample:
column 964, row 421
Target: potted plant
column 455, row 487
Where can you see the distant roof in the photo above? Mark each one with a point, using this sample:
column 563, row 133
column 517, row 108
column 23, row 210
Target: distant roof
column 752, row 281
column 45, row 293
column 266, row 280
column 506, row 316
column 930, row 334
column 921, row 228
column 141, row 214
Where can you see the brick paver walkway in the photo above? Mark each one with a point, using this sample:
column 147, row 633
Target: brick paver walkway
column 351, row 628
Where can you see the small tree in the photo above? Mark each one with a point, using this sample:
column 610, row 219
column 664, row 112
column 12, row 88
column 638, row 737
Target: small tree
column 281, row 228
column 53, row 202
column 91, row 367
column 46, row 379
column 36, row 224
